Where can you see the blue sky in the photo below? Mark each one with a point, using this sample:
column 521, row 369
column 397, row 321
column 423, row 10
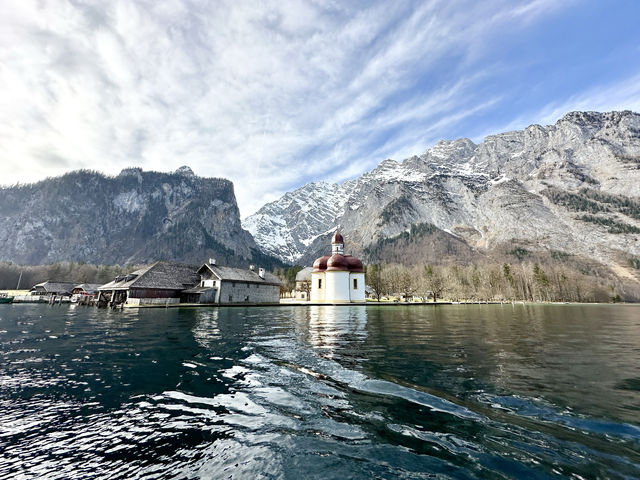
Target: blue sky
column 273, row 95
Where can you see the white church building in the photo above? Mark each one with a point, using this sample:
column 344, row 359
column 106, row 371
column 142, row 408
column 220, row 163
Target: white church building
column 337, row 278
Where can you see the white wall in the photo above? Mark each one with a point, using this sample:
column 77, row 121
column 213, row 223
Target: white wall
column 337, row 287
column 318, row 294
column 241, row 292
column 357, row 294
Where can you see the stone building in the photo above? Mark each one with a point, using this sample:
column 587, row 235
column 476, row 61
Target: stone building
column 219, row 284
column 337, row 278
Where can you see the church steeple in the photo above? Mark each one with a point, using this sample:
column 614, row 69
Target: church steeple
column 337, row 244
column 337, row 278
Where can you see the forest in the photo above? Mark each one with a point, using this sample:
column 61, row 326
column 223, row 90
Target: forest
column 524, row 281
column 23, row 277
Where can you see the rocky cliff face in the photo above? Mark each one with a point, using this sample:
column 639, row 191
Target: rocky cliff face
column 132, row 218
column 570, row 187
column 286, row 228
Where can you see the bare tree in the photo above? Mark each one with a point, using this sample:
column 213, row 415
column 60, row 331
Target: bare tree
column 305, row 285
column 434, row 281
column 374, row 278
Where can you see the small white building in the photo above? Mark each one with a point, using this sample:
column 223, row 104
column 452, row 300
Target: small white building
column 337, row 278
column 303, row 284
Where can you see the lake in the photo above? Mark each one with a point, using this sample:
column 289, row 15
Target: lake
column 461, row 391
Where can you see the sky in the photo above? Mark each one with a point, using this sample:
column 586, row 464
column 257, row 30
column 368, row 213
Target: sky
column 275, row 94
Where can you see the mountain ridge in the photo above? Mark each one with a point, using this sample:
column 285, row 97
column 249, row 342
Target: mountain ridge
column 134, row 217
column 505, row 190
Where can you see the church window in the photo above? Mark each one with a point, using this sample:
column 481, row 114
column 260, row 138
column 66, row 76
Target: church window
column 355, row 283
column 319, row 283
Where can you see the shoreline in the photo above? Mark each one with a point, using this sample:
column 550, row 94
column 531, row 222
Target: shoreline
column 358, row 304
column 332, row 304
column 354, row 304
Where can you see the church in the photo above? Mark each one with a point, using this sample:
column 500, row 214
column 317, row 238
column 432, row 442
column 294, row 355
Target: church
column 338, row 278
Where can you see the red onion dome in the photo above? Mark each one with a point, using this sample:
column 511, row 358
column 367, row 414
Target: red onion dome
column 355, row 265
column 320, row 264
column 337, row 238
column 337, row 263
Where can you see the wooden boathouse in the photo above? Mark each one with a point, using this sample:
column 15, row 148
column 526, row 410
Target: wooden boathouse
column 160, row 283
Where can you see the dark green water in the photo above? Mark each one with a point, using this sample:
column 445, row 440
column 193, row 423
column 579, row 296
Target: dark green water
column 485, row 391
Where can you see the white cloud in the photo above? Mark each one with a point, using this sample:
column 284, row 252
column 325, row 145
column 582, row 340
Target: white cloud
column 623, row 95
column 267, row 95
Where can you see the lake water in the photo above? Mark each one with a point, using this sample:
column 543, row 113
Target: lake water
column 486, row 391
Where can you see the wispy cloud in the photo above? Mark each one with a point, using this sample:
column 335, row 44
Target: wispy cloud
column 269, row 95
column 622, row 95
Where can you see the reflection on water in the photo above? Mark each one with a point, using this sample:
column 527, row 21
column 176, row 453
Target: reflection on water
column 326, row 328
column 320, row 392
column 206, row 331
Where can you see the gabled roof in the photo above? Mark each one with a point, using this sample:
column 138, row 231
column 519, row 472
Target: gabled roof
column 55, row 287
column 304, row 275
column 160, row 275
column 88, row 287
column 232, row 274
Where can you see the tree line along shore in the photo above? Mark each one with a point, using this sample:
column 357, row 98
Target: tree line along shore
column 523, row 281
column 529, row 282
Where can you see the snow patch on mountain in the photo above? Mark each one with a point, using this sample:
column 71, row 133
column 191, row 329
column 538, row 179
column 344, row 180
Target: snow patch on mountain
column 494, row 193
column 286, row 227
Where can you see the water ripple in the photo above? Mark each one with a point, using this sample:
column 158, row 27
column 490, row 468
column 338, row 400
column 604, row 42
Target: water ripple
column 311, row 393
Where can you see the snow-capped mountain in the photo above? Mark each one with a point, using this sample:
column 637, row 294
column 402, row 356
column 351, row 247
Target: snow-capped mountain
column 573, row 187
column 288, row 226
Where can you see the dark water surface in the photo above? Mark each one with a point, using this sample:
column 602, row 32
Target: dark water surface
column 487, row 391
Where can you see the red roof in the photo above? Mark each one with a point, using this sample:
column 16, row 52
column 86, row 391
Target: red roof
column 320, row 264
column 355, row 265
column 337, row 263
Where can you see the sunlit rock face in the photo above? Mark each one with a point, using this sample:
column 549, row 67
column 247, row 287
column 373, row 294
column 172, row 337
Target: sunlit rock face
column 573, row 186
column 287, row 227
column 134, row 217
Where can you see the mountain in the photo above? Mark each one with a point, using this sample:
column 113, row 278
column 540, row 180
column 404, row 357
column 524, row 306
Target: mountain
column 134, row 217
column 286, row 228
column 572, row 188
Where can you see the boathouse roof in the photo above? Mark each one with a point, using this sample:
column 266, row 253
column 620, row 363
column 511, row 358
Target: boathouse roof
column 54, row 287
column 88, row 287
column 160, row 275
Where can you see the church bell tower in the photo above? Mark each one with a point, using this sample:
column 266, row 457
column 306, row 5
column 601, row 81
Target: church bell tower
column 337, row 244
